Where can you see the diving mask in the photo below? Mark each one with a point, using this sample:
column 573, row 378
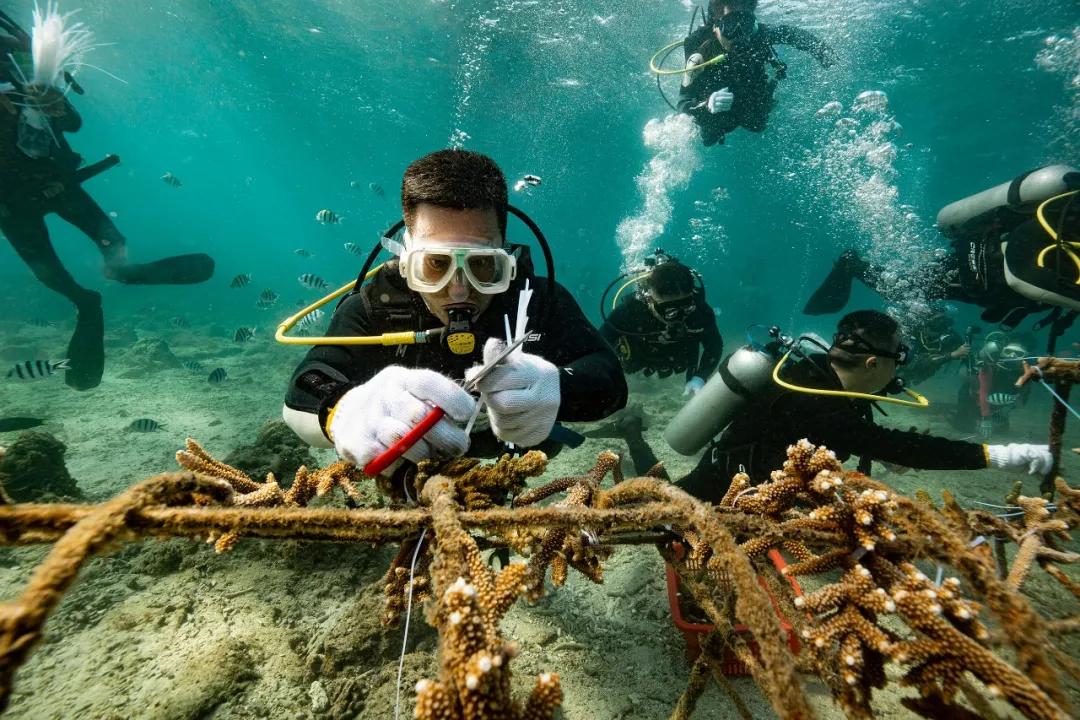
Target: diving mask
column 853, row 341
column 675, row 311
column 737, row 25
column 430, row 268
column 1013, row 352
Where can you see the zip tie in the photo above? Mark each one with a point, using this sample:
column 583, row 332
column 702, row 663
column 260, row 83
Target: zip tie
column 408, row 616
column 977, row 542
column 940, row 575
column 752, row 489
column 857, row 554
column 991, row 505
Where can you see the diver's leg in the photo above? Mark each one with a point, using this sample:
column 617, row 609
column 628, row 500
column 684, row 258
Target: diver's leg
column 78, row 208
column 30, row 238
column 710, row 479
column 835, row 290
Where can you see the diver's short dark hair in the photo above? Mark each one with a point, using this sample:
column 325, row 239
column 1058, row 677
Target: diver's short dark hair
column 455, row 179
column 671, row 278
column 875, row 329
column 716, row 7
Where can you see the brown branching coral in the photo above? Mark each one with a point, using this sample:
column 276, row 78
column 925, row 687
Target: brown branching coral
column 881, row 605
column 249, row 493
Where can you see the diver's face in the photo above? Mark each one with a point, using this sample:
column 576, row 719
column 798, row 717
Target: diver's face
column 725, row 10
column 875, row 373
column 436, row 226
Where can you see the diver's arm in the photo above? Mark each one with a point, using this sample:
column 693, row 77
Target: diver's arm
column 712, row 347
column 70, row 121
column 327, row 373
column 848, row 434
column 802, row 40
column 591, row 380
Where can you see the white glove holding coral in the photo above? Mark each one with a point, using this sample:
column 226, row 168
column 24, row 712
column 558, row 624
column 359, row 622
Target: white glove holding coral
column 720, row 101
column 522, row 396
column 370, row 418
column 1035, row 459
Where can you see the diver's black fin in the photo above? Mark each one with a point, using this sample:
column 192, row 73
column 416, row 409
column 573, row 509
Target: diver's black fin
column 833, row 293
column 87, row 347
column 178, row 270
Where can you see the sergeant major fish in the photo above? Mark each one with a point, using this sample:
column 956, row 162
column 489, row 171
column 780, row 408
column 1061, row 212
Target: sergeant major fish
column 37, row 369
column 240, row 280
column 310, row 280
column 328, row 217
column 310, row 319
column 145, row 425
column 171, row 180
column 303, row 253
column 217, row 376
column 354, row 248
column 243, row 334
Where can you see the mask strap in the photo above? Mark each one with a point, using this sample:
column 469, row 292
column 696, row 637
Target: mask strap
column 394, row 247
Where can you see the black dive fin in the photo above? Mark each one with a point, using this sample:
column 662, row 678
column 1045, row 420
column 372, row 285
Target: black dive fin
column 178, row 270
column 833, row 294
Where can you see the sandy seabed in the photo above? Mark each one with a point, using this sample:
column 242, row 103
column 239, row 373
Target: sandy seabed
column 169, row 629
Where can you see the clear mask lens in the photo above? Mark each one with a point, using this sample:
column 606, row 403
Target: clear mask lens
column 487, row 270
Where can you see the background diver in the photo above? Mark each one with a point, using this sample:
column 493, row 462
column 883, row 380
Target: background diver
column 737, row 91
column 1012, row 253
column 863, row 358
column 40, row 174
column 455, row 270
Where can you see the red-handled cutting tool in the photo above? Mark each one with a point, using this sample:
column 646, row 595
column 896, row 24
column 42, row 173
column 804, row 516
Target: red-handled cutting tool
column 395, row 451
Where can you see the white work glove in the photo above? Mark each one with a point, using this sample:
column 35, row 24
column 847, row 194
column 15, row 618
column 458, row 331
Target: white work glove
column 370, row 418
column 1035, row 459
column 986, row 427
column 522, row 396
column 693, row 385
column 720, row 101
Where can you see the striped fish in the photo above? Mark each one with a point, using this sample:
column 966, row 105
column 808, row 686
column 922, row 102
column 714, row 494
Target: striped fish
column 1001, row 399
column 240, row 280
column 40, row 323
column 37, row 369
column 303, row 253
column 180, row 322
column 310, row 280
column 192, row 365
column 328, row 217
column 309, row 320
column 145, row 425
column 354, row 248
column 217, row 376
column 171, row 180
column 243, row 334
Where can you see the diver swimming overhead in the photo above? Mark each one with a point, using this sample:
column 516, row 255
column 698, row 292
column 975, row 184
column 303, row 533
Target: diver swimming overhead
column 1014, row 251
column 725, row 81
column 41, row 174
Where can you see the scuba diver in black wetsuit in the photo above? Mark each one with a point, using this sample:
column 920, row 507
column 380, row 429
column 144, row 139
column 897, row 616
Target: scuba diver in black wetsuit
column 737, row 91
column 41, row 174
column 455, row 278
column 936, row 344
column 667, row 326
column 1013, row 253
column 756, row 406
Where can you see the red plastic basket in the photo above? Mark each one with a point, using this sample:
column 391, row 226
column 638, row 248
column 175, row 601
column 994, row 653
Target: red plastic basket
column 731, row 664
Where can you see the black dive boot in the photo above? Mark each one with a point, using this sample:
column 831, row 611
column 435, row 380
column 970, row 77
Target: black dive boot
column 86, row 350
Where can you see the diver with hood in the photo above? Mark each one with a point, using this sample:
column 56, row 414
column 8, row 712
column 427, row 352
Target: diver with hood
column 667, row 326
column 455, row 279
column 41, row 174
column 736, row 91
column 1013, row 253
column 764, row 399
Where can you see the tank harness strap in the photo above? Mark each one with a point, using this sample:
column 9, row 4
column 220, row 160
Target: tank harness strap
column 733, row 382
column 1013, row 196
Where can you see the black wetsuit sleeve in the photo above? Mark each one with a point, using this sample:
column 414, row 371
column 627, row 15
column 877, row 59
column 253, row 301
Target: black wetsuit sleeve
column 802, row 40
column 847, row 433
column 591, row 380
column 712, row 347
column 327, row 371
column 692, row 94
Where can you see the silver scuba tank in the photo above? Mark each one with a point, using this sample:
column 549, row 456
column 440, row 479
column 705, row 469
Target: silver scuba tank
column 744, row 375
column 1022, row 194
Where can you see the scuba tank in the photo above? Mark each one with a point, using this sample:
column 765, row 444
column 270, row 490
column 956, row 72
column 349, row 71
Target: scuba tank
column 744, row 375
column 1018, row 197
